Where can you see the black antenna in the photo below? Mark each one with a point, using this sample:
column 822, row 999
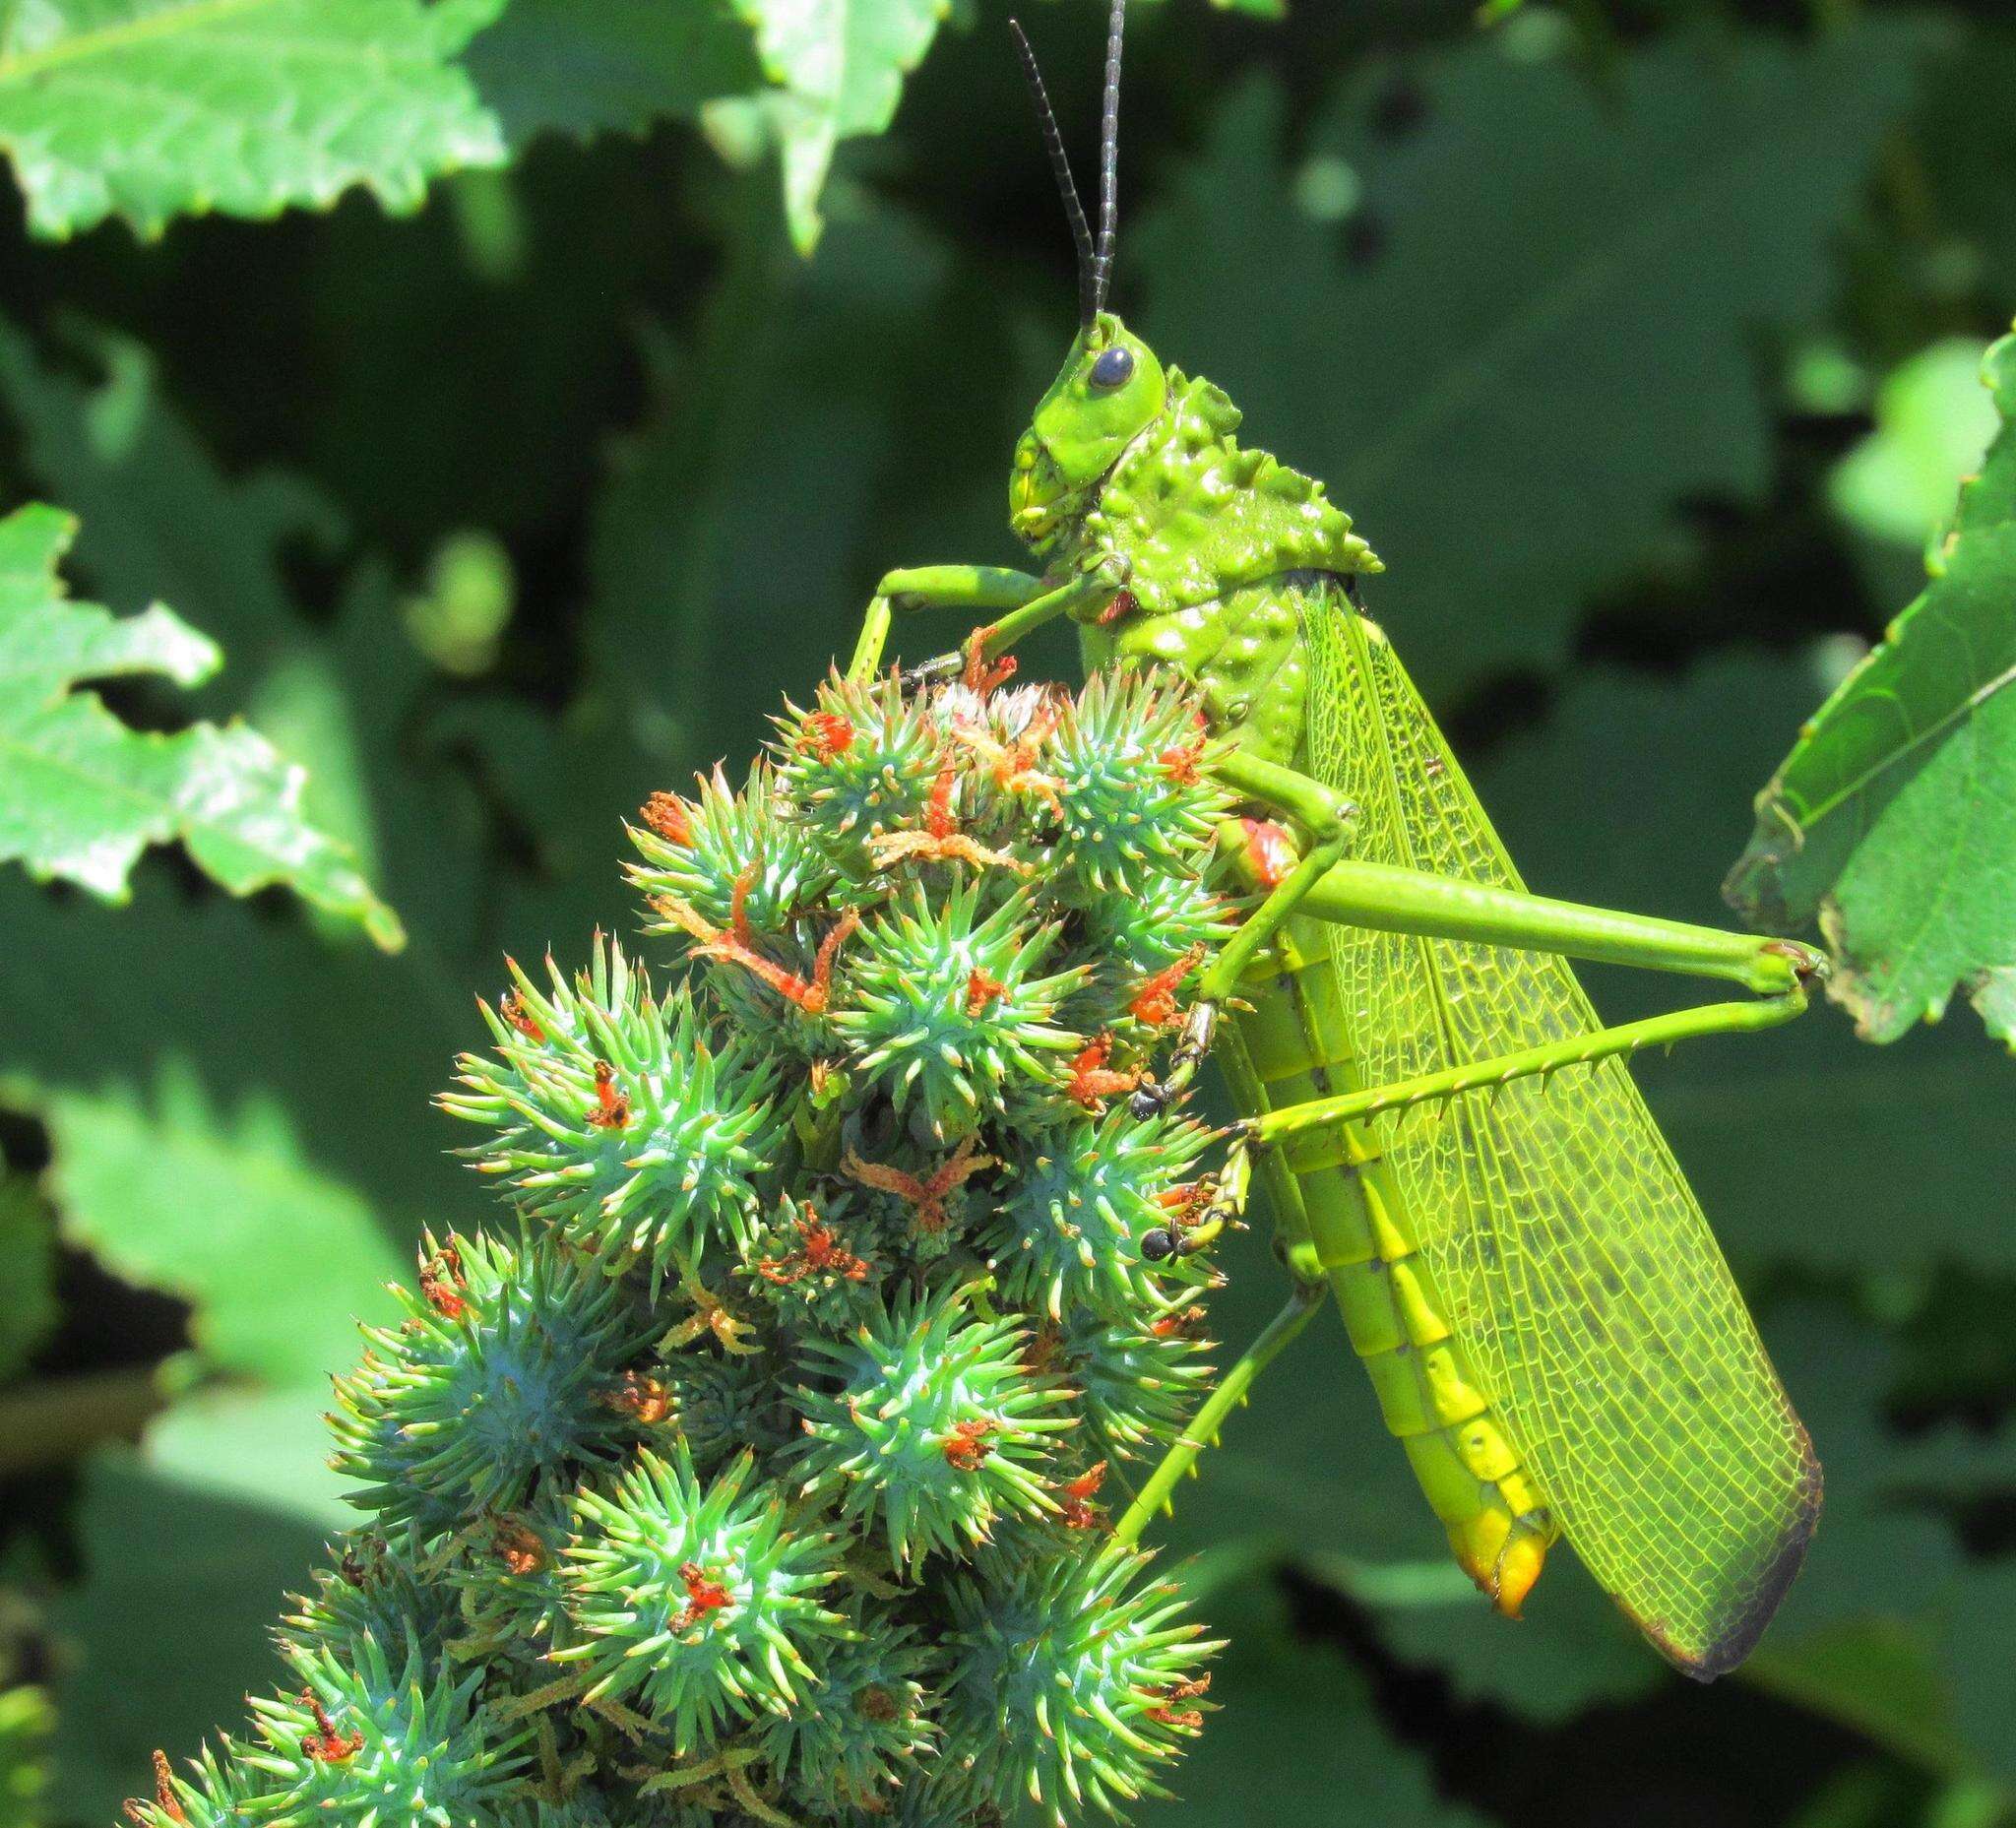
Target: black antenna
column 1108, row 162
column 1090, row 292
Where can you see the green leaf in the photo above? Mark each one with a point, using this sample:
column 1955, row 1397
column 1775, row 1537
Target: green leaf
column 1894, row 817
column 839, row 66
column 1524, row 343
column 81, row 796
column 276, row 1257
column 152, row 108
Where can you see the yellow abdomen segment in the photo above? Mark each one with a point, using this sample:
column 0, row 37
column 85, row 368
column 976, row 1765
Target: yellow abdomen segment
column 1297, row 1041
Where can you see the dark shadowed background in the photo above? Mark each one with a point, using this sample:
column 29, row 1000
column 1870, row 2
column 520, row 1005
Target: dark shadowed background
column 1641, row 339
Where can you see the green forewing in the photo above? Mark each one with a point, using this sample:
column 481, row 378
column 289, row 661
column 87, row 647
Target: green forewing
column 1580, row 1273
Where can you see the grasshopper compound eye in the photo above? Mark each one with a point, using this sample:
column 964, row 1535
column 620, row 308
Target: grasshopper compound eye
column 1114, row 368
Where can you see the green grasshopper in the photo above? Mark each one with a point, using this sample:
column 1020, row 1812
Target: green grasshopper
column 1550, row 1327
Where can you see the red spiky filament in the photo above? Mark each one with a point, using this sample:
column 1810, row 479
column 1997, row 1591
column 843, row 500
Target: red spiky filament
column 983, row 676
column 165, row 1798
column 737, row 946
column 927, row 1197
column 511, row 1006
column 967, row 1447
column 819, row 1253
column 703, row 1596
column 942, row 841
column 1091, row 1082
column 982, row 989
column 1168, row 1711
column 1013, row 764
column 1155, row 1002
column 1185, row 1323
column 646, row 1399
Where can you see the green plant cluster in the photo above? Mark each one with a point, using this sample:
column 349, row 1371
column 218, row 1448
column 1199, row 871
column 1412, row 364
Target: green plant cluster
column 758, row 1468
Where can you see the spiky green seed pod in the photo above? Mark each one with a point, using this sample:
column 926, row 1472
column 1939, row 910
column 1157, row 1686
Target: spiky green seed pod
column 376, row 1745
column 938, row 1425
column 1129, row 941
column 725, row 846
column 816, row 1265
column 219, row 1793
column 376, row 1593
column 864, row 1732
column 508, row 1370
column 1073, row 1683
column 949, row 1010
column 620, row 1116
column 512, row 1604
column 1136, row 798
column 860, row 763
column 726, row 1402
column 1137, row 1386
column 1076, row 1203
column 697, row 1605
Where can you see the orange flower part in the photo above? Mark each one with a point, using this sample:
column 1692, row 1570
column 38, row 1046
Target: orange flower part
column 325, row 1744
column 739, row 946
column 982, row 678
column 982, row 990
column 1181, row 765
column 703, row 1595
column 1167, row 1709
column 968, row 1445
column 1090, row 1083
column 670, row 817
column 612, row 1109
column 441, row 1281
column 1154, row 1003
column 826, row 734
column 511, row 1006
column 927, row 1196
column 1076, row 1495
column 163, row 1794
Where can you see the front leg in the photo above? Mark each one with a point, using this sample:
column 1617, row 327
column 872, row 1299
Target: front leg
column 977, row 587
column 1325, row 815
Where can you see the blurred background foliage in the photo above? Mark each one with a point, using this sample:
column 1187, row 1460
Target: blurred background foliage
column 597, row 357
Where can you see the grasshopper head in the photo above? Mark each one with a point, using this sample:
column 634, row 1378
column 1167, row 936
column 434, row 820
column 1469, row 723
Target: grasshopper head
column 1110, row 390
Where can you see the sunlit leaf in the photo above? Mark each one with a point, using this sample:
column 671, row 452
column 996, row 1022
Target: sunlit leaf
column 1894, row 817
column 838, row 66
column 1933, row 422
column 81, row 796
column 153, row 108
column 276, row 1258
